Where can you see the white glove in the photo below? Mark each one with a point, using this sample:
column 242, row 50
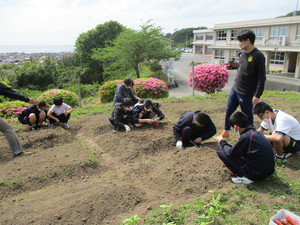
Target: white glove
column 127, row 128
column 179, row 144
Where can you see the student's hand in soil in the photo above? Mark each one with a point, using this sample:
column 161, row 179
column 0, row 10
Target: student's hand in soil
column 149, row 121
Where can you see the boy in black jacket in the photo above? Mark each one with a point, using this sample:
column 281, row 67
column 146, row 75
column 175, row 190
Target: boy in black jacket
column 121, row 116
column 193, row 128
column 34, row 115
column 252, row 157
column 145, row 112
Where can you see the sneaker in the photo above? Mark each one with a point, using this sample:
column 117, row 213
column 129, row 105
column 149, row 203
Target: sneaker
column 23, row 154
column 51, row 125
column 65, row 125
column 195, row 144
column 241, row 180
column 284, row 156
column 224, row 134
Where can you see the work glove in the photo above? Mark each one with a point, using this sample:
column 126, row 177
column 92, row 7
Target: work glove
column 127, row 128
column 179, row 144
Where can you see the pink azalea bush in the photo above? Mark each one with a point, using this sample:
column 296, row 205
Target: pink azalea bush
column 68, row 97
column 108, row 89
column 209, row 78
column 10, row 109
column 151, row 88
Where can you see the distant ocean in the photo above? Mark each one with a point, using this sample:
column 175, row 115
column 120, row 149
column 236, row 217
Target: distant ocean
column 36, row 48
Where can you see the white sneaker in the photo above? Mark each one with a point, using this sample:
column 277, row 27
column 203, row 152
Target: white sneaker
column 65, row 125
column 284, row 156
column 241, row 180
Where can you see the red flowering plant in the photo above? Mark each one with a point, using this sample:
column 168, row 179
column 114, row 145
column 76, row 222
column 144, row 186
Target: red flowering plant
column 151, row 88
column 68, row 97
column 10, row 109
column 108, row 89
column 209, row 78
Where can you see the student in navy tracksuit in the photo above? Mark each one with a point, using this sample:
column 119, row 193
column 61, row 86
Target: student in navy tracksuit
column 193, row 128
column 252, row 157
column 122, row 115
column 145, row 112
column 34, row 115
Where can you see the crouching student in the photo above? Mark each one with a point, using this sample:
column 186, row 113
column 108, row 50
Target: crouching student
column 59, row 112
column 121, row 116
column 251, row 158
column 192, row 129
column 147, row 112
column 34, row 115
column 286, row 129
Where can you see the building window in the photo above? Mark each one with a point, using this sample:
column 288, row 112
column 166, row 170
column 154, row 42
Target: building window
column 277, row 58
column 209, row 37
column 219, row 54
column 208, row 50
column 235, row 33
column 234, row 55
column 199, row 37
column 276, row 32
column 298, row 33
column 258, row 33
column 221, row 35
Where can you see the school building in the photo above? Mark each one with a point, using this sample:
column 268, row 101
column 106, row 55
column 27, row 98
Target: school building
column 278, row 39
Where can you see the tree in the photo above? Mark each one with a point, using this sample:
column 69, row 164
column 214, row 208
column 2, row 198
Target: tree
column 99, row 37
column 36, row 75
column 132, row 48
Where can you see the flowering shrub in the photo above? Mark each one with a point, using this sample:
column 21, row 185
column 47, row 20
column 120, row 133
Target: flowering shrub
column 12, row 109
column 108, row 89
column 150, row 88
column 209, row 78
column 68, row 97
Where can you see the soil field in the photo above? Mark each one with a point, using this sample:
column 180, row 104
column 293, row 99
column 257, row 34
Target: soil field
column 92, row 175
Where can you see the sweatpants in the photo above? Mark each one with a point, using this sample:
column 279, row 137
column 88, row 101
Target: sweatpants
column 11, row 137
column 188, row 136
column 234, row 100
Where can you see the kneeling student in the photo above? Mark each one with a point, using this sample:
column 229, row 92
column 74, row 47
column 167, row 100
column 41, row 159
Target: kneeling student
column 34, row 115
column 145, row 112
column 121, row 116
column 193, row 128
column 286, row 129
column 252, row 157
column 59, row 112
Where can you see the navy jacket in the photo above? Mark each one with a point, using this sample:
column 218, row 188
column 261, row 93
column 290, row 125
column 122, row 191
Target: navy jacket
column 8, row 92
column 123, row 92
column 31, row 109
column 186, row 119
column 255, row 151
column 139, row 108
column 119, row 117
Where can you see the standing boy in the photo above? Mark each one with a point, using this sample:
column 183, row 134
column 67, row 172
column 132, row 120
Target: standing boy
column 286, row 129
column 252, row 157
column 193, row 128
column 6, row 128
column 249, row 82
column 59, row 112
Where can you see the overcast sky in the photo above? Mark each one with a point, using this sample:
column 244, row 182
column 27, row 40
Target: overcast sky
column 27, row 22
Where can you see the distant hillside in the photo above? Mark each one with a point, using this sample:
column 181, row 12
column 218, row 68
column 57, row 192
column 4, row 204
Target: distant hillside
column 183, row 37
column 290, row 14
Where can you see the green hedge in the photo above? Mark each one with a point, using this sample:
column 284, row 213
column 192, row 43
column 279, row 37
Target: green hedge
column 144, row 88
column 68, row 97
